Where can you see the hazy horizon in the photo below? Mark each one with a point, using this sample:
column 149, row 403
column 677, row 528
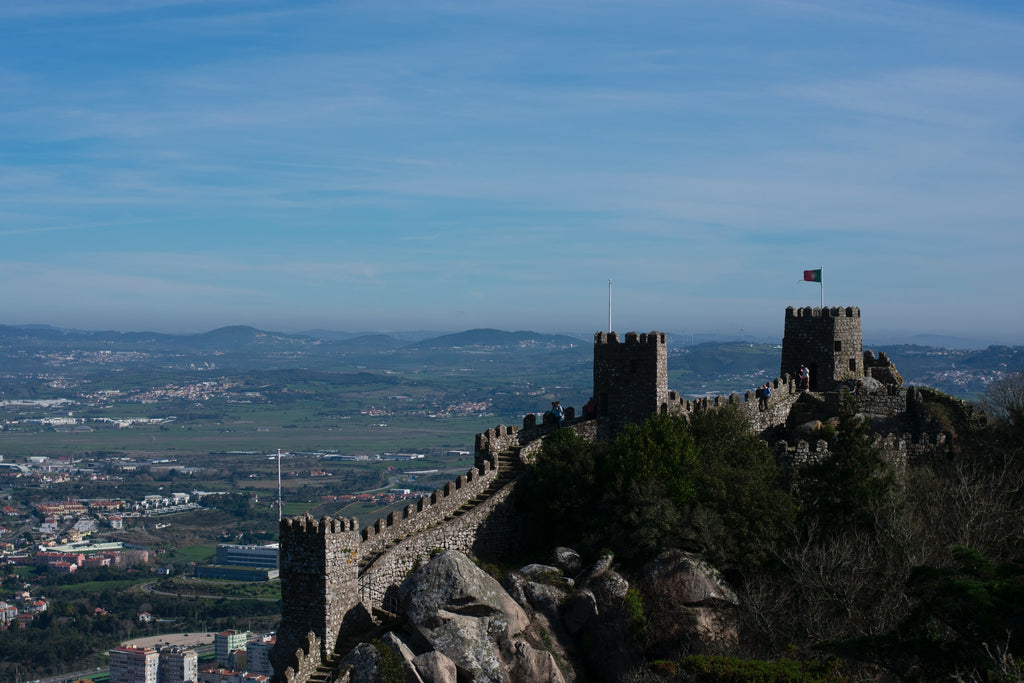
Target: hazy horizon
column 677, row 337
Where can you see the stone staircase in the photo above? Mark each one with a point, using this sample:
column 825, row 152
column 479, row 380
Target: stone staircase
column 327, row 669
column 510, row 466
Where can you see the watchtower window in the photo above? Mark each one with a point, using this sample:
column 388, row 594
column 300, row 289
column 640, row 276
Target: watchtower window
column 632, row 367
column 853, row 365
column 839, row 345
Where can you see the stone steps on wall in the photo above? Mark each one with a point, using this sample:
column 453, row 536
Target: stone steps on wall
column 326, row 671
column 509, row 468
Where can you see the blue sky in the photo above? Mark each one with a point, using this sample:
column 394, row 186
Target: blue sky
column 178, row 166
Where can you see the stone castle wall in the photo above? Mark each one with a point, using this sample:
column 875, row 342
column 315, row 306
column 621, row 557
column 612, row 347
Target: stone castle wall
column 330, row 568
column 784, row 395
column 899, row 450
column 488, row 529
column 892, row 401
column 305, row 661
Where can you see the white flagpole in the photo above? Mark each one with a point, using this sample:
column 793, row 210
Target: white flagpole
column 609, row 305
column 821, row 282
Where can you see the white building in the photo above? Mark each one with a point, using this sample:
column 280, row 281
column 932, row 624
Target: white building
column 134, row 665
column 257, row 655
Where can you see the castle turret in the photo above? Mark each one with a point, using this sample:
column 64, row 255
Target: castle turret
column 319, row 583
column 827, row 340
column 630, row 377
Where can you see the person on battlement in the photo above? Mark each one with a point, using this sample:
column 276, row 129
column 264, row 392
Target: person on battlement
column 556, row 410
column 590, row 409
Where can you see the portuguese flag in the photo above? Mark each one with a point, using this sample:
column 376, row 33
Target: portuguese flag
column 812, row 275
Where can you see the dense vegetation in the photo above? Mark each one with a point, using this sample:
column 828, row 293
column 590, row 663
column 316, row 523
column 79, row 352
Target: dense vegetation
column 879, row 572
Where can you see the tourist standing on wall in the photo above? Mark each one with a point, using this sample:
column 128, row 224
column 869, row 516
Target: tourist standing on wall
column 590, row 409
column 556, row 410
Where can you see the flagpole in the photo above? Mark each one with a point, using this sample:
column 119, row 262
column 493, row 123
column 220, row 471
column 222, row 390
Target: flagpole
column 821, row 282
column 609, row 305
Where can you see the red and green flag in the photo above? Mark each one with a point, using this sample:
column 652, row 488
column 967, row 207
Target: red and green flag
column 812, row 275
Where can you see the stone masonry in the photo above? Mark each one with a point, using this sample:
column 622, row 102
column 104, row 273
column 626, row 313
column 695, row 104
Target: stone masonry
column 630, row 377
column 827, row 340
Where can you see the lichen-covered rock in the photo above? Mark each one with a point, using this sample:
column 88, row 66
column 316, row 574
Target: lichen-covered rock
column 689, row 603
column 568, row 560
column 544, row 597
column 609, row 589
column 686, row 579
column 435, row 667
column 464, row 613
column 532, row 665
column 603, row 564
column 535, row 571
column 402, row 650
column 361, row 665
column 515, row 584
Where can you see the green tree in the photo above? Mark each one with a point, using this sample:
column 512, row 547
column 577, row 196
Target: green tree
column 659, row 450
column 846, row 489
column 740, row 509
column 558, row 498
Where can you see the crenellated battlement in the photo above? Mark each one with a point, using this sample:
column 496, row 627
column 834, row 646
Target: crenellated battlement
column 632, row 338
column 835, row 312
column 306, row 660
column 899, row 450
column 784, row 394
column 301, row 526
column 427, row 511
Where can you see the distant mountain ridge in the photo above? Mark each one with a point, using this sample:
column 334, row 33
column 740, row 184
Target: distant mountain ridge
column 247, row 338
column 491, row 338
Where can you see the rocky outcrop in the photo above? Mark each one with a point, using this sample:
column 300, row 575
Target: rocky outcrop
column 463, row 613
column 695, row 606
column 539, row 625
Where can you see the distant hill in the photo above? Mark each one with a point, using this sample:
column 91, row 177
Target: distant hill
column 491, row 338
column 242, row 338
column 939, row 341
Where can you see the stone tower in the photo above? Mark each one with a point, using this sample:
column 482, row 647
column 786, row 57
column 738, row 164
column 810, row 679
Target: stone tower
column 826, row 340
column 630, row 377
column 319, row 583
